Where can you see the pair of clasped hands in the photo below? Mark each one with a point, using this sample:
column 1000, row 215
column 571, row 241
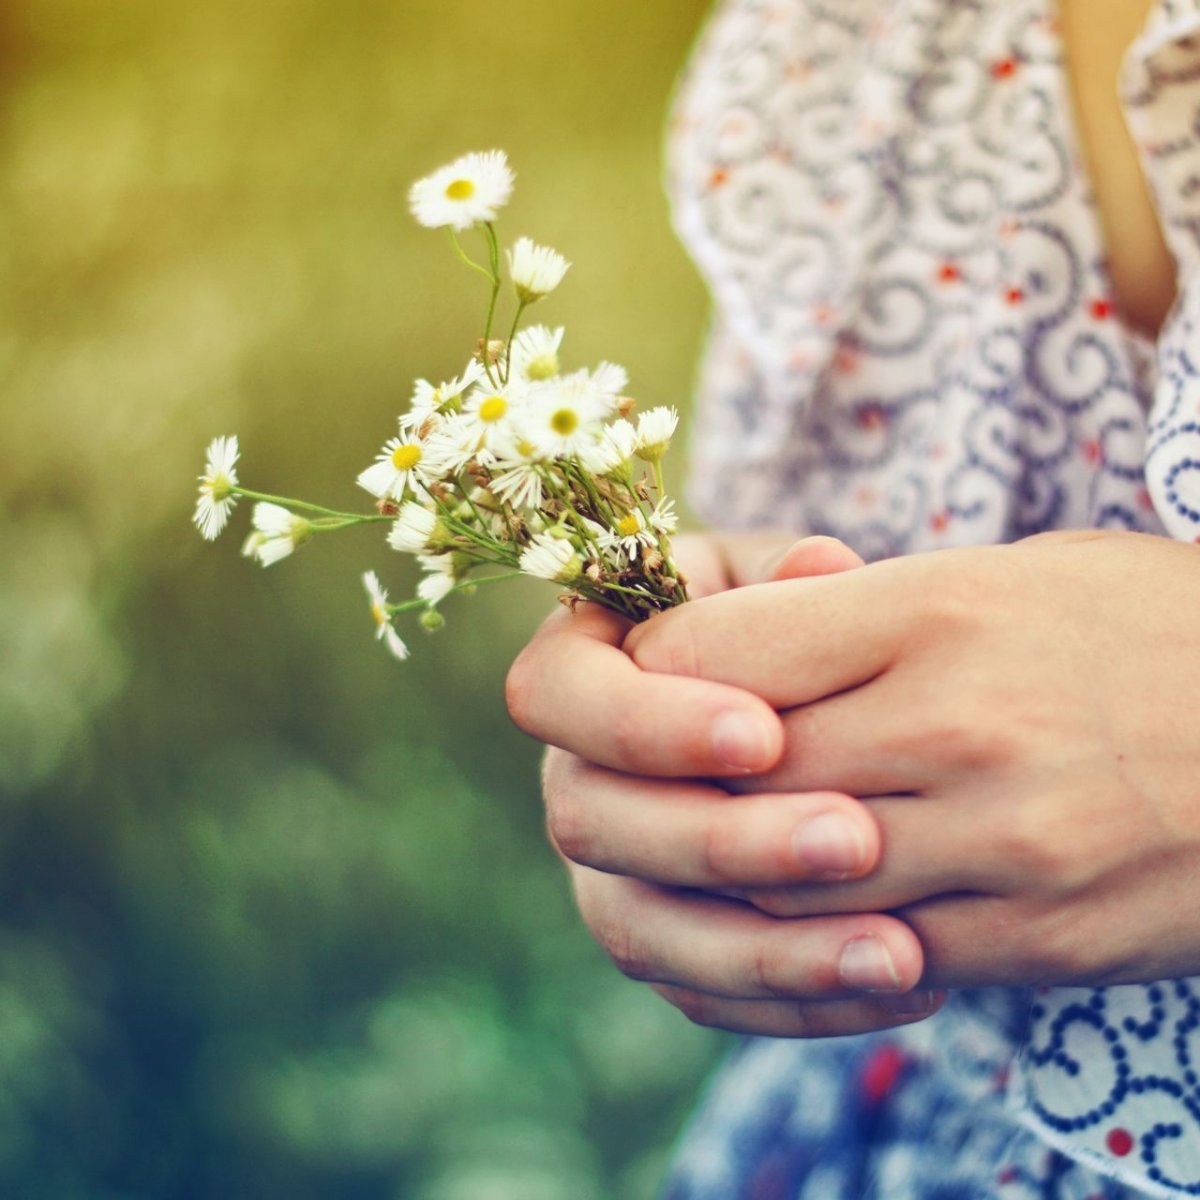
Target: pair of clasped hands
column 820, row 794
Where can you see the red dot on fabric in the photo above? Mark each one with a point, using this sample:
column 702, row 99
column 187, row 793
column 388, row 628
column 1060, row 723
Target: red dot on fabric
column 1102, row 309
column 1005, row 68
column 1014, row 296
column 881, row 1072
column 1119, row 1142
column 939, row 521
column 949, row 273
column 718, row 177
column 1146, row 500
column 1008, row 1175
column 1092, row 451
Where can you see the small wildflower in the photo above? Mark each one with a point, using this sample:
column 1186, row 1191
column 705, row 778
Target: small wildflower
column 439, row 578
column 563, row 418
column 429, row 402
column 384, row 630
column 629, row 535
column 465, row 192
column 536, row 270
column 535, row 353
column 403, row 462
column 217, row 498
column 416, row 529
column 277, row 532
column 552, row 558
column 655, row 429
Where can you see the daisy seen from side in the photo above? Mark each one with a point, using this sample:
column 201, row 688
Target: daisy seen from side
column 217, row 499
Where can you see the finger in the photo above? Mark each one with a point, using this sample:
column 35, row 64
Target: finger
column 692, row 834
column 572, row 687
column 864, row 742
column 790, row 642
column 726, row 948
column 929, row 847
column 799, row 1019
column 815, row 556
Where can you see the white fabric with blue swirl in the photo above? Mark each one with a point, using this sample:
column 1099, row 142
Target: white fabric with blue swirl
column 915, row 345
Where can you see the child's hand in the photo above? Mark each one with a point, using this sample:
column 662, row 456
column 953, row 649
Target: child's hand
column 1026, row 721
column 633, row 843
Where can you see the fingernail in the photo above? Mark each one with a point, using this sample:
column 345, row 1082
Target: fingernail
column 866, row 965
column 830, row 844
column 909, row 1004
column 740, row 740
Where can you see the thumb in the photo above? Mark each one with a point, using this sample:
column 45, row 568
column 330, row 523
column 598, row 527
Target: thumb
column 815, row 556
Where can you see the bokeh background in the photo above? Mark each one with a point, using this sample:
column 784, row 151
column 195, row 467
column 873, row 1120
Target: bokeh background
column 276, row 914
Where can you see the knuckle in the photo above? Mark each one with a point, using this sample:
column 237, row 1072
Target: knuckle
column 1039, row 851
column 568, row 827
column 520, row 688
column 1059, row 952
column 629, row 955
column 718, row 853
column 770, row 973
column 696, row 1006
column 774, row 901
column 667, row 646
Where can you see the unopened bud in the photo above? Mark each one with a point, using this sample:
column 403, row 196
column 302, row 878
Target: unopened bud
column 431, row 620
column 626, row 405
column 387, row 507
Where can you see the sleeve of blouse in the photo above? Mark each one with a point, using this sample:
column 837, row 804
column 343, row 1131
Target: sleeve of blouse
column 1160, row 89
column 1173, row 441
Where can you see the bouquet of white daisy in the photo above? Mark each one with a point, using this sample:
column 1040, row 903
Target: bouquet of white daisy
column 514, row 467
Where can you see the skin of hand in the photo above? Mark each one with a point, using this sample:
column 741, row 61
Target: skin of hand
column 638, row 806
column 1019, row 721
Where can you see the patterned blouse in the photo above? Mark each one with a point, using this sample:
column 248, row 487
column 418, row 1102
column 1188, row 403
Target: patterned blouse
column 915, row 346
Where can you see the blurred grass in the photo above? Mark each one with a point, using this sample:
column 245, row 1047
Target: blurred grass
column 277, row 917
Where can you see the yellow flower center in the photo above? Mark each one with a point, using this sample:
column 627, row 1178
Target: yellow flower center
column 492, row 409
column 219, row 487
column 526, row 449
column 405, row 457
column 542, row 366
column 460, row 189
column 628, row 525
column 564, row 422
column 377, row 611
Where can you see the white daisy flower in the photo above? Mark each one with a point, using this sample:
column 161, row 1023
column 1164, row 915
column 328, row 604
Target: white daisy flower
column 454, row 443
column 617, row 445
column 655, row 429
column 429, row 401
column 465, row 192
column 535, row 353
column 216, row 499
column 384, row 631
column 491, row 411
column 439, row 578
column 552, row 558
column 628, row 535
column 416, row 529
column 536, row 270
column 610, row 381
column 563, row 418
column 664, row 518
column 277, row 532
column 516, row 476
column 403, row 462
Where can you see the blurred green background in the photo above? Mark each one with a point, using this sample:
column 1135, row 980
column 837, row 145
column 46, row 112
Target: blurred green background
column 277, row 915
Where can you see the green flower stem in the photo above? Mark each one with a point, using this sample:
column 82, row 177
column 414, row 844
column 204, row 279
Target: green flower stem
column 288, row 502
column 464, row 257
column 512, row 333
column 466, row 585
column 494, row 256
column 658, row 478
